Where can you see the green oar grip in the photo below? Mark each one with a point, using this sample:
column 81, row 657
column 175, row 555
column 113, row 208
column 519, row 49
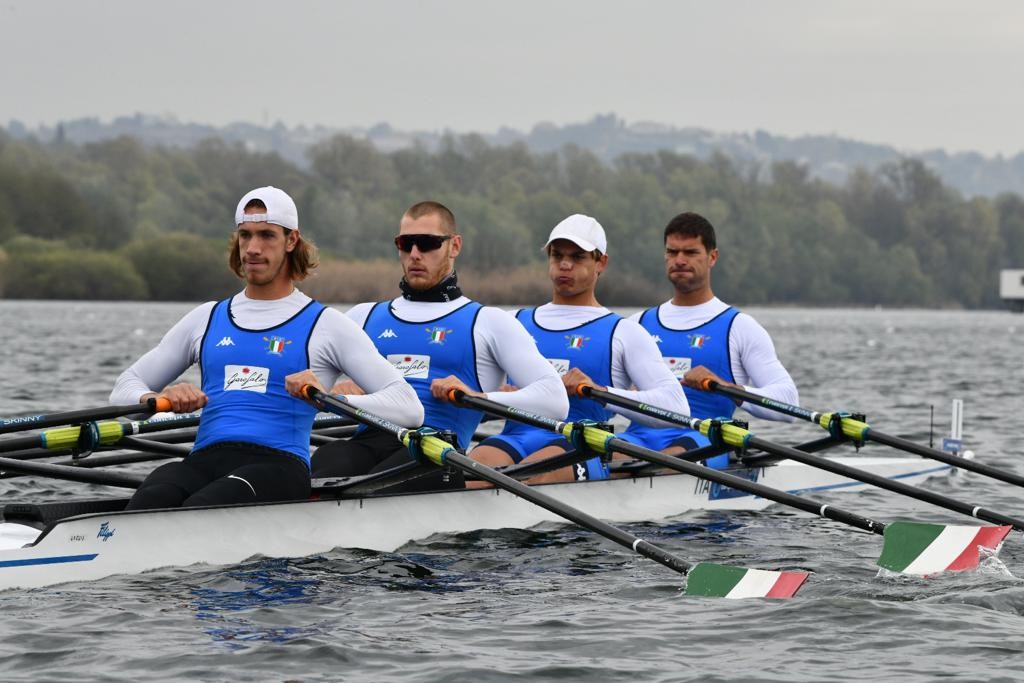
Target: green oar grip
column 852, row 429
column 67, row 437
column 433, row 448
column 593, row 438
column 729, row 433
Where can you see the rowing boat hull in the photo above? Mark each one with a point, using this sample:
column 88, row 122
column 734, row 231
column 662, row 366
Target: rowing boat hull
column 94, row 546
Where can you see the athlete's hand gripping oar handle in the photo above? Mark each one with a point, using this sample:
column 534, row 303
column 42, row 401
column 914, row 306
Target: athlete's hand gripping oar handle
column 736, row 436
column 859, row 431
column 17, row 424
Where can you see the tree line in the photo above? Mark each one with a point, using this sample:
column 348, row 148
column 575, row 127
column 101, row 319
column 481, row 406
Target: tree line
column 118, row 220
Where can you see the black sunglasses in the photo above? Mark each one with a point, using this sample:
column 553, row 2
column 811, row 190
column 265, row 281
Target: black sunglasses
column 422, row 242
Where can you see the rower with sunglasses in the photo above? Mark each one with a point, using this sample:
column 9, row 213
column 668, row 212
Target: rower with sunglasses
column 440, row 340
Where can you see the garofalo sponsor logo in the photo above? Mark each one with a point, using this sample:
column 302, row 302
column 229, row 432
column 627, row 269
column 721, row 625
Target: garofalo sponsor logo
column 561, row 365
column 678, row 366
column 246, row 378
column 410, row 365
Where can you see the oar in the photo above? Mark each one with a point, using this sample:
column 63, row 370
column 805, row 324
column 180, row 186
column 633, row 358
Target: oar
column 735, row 436
column 72, row 473
column 840, row 425
column 702, row 579
column 936, row 551
column 17, row 424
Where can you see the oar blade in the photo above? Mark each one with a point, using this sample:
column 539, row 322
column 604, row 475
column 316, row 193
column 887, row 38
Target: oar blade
column 929, row 549
column 722, row 581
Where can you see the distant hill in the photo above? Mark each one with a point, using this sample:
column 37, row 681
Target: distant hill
column 830, row 158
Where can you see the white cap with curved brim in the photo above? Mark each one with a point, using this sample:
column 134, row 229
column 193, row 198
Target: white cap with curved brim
column 583, row 231
column 280, row 208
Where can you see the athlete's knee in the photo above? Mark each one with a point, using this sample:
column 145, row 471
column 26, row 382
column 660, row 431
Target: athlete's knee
column 157, row 495
column 491, row 456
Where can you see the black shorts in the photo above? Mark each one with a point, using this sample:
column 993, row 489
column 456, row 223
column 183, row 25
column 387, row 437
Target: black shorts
column 374, row 450
column 223, row 474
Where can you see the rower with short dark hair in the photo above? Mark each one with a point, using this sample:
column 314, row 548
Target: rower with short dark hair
column 256, row 350
column 701, row 337
column 587, row 344
column 440, row 340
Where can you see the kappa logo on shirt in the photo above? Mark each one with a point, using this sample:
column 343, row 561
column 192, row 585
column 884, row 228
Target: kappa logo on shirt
column 246, row 378
column 412, row 366
column 656, row 338
column 226, row 341
column 387, row 334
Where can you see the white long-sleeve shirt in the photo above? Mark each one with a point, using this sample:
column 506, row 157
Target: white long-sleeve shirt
column 636, row 361
column 502, row 344
column 336, row 346
column 754, row 363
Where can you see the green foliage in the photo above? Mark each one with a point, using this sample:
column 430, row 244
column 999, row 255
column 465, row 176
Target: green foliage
column 896, row 237
column 183, row 267
column 63, row 273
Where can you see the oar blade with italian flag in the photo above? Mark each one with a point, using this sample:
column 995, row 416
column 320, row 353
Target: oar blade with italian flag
column 929, row 549
column 722, row 581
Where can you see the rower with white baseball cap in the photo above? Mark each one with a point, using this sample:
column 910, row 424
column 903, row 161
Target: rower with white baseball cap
column 587, row 344
column 256, row 350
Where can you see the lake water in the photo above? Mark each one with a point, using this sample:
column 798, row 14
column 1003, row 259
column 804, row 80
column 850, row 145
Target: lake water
column 557, row 603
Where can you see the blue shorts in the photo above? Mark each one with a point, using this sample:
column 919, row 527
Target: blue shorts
column 658, row 439
column 518, row 441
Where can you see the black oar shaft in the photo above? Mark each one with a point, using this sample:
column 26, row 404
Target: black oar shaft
column 481, row 471
column 942, row 456
column 871, row 434
column 822, row 463
column 612, row 533
column 693, row 469
column 885, row 483
column 88, row 476
column 17, row 424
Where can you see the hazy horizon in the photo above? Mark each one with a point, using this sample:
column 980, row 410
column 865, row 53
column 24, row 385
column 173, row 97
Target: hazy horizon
column 917, row 76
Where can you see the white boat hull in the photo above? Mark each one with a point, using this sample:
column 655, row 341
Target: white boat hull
column 93, row 546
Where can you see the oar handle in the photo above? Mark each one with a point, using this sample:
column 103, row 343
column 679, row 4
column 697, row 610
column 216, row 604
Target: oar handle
column 159, row 404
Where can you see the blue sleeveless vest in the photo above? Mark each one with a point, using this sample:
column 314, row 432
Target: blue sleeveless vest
column 243, row 376
column 706, row 345
column 429, row 350
column 587, row 347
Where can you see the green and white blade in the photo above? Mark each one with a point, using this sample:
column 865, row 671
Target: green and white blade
column 722, row 581
column 928, row 549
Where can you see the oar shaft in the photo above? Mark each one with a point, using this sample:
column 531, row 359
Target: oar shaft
column 124, row 480
column 885, row 483
column 17, row 424
column 612, row 533
column 749, row 440
column 871, row 434
column 942, row 456
column 435, row 448
column 600, row 440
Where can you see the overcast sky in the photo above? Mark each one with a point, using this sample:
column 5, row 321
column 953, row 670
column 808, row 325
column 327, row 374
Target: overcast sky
column 917, row 74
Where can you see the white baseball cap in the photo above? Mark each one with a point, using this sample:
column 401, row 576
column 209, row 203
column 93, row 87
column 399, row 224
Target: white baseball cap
column 280, row 208
column 582, row 231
